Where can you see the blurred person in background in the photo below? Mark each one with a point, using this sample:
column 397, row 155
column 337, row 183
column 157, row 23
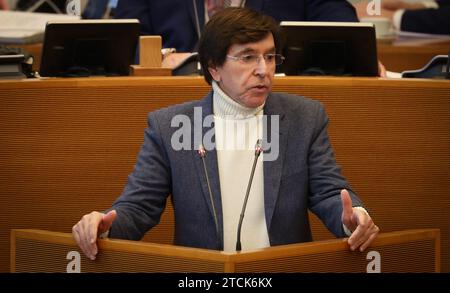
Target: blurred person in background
column 180, row 22
column 429, row 17
column 3, row 5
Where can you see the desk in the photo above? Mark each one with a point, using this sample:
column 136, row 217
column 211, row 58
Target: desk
column 67, row 146
column 398, row 55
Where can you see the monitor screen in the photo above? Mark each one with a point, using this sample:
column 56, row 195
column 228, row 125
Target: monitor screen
column 329, row 48
column 89, row 47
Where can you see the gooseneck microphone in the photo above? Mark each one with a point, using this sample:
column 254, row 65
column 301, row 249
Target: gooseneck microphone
column 202, row 154
column 258, row 150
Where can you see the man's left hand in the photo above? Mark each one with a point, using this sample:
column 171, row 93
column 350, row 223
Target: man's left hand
column 364, row 230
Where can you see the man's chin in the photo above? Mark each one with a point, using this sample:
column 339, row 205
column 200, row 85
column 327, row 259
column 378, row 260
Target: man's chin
column 256, row 101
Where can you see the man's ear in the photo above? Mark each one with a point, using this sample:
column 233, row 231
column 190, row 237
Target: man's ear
column 214, row 73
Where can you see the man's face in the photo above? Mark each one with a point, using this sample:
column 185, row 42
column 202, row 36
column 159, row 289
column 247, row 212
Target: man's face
column 248, row 84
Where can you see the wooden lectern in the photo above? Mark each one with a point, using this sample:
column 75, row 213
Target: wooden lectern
column 402, row 251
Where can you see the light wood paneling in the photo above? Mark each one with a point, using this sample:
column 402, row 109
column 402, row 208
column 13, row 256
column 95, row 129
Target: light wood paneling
column 398, row 55
column 67, row 146
column 400, row 251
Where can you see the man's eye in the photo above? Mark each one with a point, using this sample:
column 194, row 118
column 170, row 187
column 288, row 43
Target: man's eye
column 248, row 58
column 269, row 57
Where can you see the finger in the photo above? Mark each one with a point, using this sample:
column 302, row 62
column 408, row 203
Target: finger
column 370, row 239
column 93, row 223
column 86, row 237
column 364, row 223
column 347, row 209
column 82, row 237
column 79, row 239
column 363, row 234
column 93, row 250
column 107, row 221
column 358, row 241
column 355, row 238
column 366, row 244
column 75, row 235
column 91, row 227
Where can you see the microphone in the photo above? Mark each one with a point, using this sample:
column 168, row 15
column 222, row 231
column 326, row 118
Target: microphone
column 258, row 150
column 202, row 154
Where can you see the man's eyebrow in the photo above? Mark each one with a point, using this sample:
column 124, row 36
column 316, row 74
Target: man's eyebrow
column 245, row 51
column 251, row 51
column 271, row 50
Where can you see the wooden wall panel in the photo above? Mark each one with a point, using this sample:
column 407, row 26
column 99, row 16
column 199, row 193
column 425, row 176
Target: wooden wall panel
column 67, row 146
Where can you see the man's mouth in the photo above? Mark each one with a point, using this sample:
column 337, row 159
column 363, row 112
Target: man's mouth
column 260, row 86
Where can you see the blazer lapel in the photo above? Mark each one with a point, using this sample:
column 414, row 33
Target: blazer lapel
column 273, row 169
column 211, row 166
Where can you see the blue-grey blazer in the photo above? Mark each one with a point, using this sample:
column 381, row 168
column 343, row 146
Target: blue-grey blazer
column 304, row 176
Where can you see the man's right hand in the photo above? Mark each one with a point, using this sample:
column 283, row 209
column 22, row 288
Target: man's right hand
column 86, row 231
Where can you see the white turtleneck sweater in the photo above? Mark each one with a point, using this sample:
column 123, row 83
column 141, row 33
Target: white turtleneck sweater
column 237, row 129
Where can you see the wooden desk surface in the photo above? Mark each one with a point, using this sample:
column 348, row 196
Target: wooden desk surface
column 397, row 55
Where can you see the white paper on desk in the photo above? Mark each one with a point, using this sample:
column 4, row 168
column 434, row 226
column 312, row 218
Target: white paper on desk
column 392, row 74
column 17, row 27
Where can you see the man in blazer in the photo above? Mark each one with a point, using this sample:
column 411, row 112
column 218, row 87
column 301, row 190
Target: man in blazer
column 296, row 171
column 180, row 22
column 429, row 20
column 428, row 17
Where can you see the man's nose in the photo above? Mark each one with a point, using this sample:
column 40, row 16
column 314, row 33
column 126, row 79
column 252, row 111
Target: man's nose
column 261, row 66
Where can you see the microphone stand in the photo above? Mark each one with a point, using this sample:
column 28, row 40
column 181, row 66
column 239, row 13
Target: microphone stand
column 202, row 153
column 258, row 150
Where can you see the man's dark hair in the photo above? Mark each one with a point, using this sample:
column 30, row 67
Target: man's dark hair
column 232, row 26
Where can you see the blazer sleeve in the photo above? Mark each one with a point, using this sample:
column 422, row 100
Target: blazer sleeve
column 330, row 10
column 326, row 180
column 143, row 200
column 429, row 21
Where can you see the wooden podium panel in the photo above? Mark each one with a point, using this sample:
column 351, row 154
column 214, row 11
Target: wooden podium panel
column 402, row 251
column 67, row 146
column 44, row 251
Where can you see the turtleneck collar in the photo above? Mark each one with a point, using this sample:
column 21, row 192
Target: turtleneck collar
column 225, row 107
